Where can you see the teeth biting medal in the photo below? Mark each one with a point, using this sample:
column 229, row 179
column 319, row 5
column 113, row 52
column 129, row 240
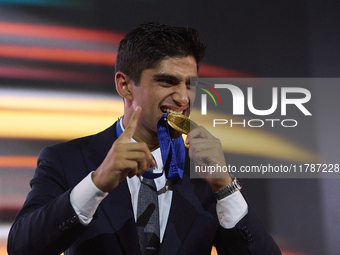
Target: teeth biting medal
column 180, row 123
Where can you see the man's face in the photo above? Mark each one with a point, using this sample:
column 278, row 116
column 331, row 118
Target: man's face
column 165, row 88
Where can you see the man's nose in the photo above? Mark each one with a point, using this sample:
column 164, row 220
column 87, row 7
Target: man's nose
column 182, row 95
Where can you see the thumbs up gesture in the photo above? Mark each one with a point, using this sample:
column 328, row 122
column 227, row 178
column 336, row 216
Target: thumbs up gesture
column 124, row 158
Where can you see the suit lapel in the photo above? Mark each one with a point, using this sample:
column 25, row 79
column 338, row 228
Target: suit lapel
column 97, row 149
column 118, row 209
column 184, row 209
column 117, row 205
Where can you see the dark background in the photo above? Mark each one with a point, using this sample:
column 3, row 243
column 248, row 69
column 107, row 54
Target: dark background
column 262, row 38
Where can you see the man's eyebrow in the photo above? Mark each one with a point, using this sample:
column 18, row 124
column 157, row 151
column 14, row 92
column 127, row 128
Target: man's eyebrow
column 168, row 76
column 165, row 76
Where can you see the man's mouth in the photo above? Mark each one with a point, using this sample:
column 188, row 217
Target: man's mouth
column 163, row 109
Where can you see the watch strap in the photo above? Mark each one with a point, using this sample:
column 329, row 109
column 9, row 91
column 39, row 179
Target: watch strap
column 230, row 189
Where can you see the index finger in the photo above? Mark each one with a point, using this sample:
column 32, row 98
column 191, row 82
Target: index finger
column 132, row 125
column 199, row 132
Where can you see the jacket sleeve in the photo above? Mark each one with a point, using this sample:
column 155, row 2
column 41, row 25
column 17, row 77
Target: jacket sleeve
column 47, row 223
column 247, row 237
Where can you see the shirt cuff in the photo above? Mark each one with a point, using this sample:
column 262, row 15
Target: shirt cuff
column 85, row 199
column 231, row 209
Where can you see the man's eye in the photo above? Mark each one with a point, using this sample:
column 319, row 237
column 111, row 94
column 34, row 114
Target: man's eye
column 170, row 82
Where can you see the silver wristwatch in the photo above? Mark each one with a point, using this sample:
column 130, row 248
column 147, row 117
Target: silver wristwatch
column 230, row 189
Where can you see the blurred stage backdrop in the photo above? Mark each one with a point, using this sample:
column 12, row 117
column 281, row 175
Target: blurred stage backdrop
column 57, row 83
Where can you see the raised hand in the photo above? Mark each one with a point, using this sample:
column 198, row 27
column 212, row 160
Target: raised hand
column 124, row 158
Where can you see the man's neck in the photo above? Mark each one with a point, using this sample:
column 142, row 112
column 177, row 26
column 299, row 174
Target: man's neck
column 150, row 140
column 149, row 137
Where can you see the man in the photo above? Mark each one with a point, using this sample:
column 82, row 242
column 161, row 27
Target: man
column 86, row 194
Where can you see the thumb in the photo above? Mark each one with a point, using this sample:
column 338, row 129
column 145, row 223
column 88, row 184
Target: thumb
column 132, row 126
column 187, row 140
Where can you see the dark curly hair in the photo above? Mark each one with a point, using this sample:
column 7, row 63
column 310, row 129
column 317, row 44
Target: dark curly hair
column 149, row 43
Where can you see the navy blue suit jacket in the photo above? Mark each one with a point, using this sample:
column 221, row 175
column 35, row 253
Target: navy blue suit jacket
column 47, row 223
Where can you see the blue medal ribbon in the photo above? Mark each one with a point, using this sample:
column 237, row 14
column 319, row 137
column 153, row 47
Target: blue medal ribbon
column 172, row 151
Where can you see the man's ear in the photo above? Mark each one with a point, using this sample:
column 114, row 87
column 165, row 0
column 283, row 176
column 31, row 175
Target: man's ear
column 124, row 85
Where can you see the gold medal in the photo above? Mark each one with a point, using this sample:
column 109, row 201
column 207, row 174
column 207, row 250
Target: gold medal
column 181, row 123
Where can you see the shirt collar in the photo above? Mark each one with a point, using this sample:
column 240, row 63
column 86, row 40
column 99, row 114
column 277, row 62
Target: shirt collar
column 156, row 154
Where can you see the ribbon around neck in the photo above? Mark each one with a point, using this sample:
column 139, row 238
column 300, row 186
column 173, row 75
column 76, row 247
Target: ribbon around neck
column 172, row 151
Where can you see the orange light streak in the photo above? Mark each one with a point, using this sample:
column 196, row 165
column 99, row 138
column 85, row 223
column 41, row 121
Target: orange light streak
column 81, row 56
column 96, row 57
column 58, row 54
column 208, row 70
column 59, row 32
column 56, row 118
column 18, row 161
column 54, row 75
